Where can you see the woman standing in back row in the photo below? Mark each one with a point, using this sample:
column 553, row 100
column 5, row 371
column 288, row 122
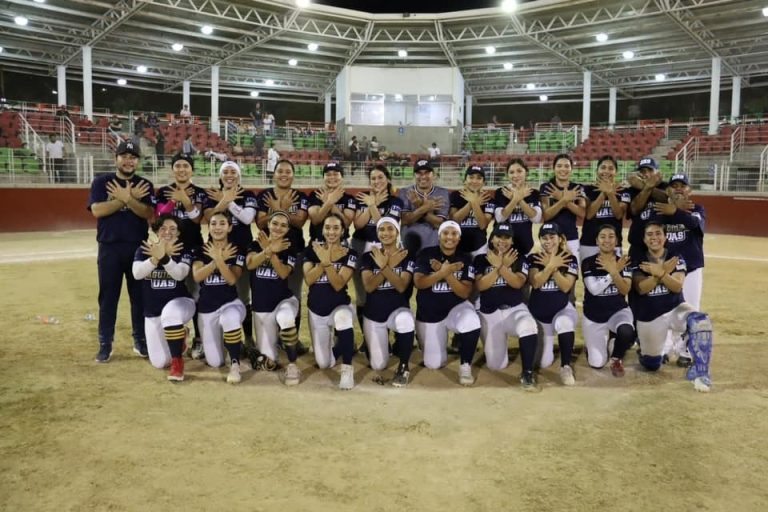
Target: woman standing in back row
column 563, row 202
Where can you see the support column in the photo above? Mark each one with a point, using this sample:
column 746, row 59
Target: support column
column 468, row 110
column 736, row 100
column 87, row 83
column 61, row 84
column 586, row 104
column 185, row 93
column 714, row 96
column 611, row 108
column 328, row 105
column 215, row 99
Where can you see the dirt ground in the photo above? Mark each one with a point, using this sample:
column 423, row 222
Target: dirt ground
column 75, row 435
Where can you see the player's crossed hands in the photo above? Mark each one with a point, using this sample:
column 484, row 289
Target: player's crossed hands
column 219, row 254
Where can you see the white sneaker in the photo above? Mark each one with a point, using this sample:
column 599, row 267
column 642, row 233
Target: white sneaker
column 234, row 374
column 292, row 374
column 197, row 349
column 566, row 375
column 347, row 380
column 702, row 384
column 465, row 375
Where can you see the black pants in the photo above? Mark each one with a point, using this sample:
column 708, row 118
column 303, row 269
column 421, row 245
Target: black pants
column 115, row 260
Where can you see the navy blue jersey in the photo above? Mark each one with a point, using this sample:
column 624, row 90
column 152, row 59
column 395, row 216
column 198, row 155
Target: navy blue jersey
column 214, row 290
column 267, row 288
column 295, row 235
column 565, row 218
column 604, row 215
column 241, row 234
column 322, row 298
column 472, row 237
column 433, row 304
column 548, row 300
column 500, row 295
column 685, row 235
column 381, row 302
column 522, row 226
column 635, row 236
column 159, row 288
column 392, row 207
column 600, row 308
column 191, row 235
column 345, row 202
column 123, row 225
column 658, row 301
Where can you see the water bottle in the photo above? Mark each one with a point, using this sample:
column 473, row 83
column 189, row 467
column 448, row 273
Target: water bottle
column 47, row 320
column 89, row 317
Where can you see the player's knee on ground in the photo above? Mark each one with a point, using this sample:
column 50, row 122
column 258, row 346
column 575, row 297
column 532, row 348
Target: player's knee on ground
column 597, row 356
column 651, row 363
column 342, row 319
column 547, row 351
column 404, row 322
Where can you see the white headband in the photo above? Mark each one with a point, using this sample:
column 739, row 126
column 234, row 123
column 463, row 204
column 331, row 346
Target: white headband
column 229, row 164
column 388, row 220
column 448, row 224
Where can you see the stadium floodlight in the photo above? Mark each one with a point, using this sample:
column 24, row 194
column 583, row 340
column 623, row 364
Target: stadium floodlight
column 254, row 94
column 177, row 47
column 55, row 91
column 530, row 86
column 509, row 6
column 303, row 4
column 543, row 97
column 490, row 50
column 660, row 77
column 122, row 81
column 1, row 49
column 269, row 81
column 39, row 1
column 206, row 29
column 402, row 53
column 508, row 66
column 765, row 12
column 21, row 20
column 312, row 47
column 141, row 69
column 628, row 55
column 601, row 37
column 292, row 62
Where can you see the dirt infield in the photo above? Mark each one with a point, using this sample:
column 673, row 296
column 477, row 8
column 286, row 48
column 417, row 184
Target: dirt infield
column 79, row 436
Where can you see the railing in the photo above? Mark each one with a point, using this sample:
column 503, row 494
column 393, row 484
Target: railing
column 763, row 170
column 33, row 141
column 737, row 140
column 685, row 155
column 68, row 134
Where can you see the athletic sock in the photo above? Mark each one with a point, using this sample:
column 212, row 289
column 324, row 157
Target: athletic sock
column 566, row 341
column 467, row 342
column 404, row 346
column 233, row 341
column 290, row 337
column 174, row 335
column 346, row 345
column 625, row 337
column 528, row 351
column 248, row 324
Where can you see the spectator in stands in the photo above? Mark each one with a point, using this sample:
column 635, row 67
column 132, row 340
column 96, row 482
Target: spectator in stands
column 557, row 124
column 187, row 147
column 269, row 123
column 237, row 150
column 434, row 154
column 336, row 154
column 160, row 147
column 185, row 114
column 257, row 115
column 55, row 153
column 365, row 149
column 374, row 148
column 425, row 207
column 62, row 111
column 258, row 143
column 138, row 128
column 354, row 151
column 272, row 157
column 152, row 121
column 115, row 125
column 465, row 155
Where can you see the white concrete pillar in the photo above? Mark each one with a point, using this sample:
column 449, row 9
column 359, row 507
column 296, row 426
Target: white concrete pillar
column 714, row 96
column 61, row 84
column 87, row 83
column 328, row 105
column 468, row 110
column 736, row 99
column 586, row 104
column 611, row 107
column 215, row 99
column 185, row 93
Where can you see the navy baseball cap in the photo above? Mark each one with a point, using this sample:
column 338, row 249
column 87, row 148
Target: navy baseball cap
column 422, row 165
column 333, row 166
column 549, row 228
column 183, row 156
column 474, row 169
column 502, row 229
column 128, row 147
column 648, row 162
column 682, row 178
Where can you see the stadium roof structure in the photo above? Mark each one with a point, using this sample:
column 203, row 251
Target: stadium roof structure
column 548, row 43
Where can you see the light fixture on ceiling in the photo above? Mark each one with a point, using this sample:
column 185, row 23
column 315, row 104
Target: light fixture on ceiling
column 398, row 97
column 765, row 12
column 509, row 6
column 141, row 69
column 303, row 4
column 490, row 50
column 269, row 81
column 660, row 77
column 292, row 62
column 103, row 89
column 55, row 91
column 601, row 37
column 508, row 66
column 21, row 20
column 628, row 55
column 530, row 86
column 312, row 47
column 402, row 53
column 206, row 29
column 1, row 49
column 543, row 97
column 254, row 94
column 39, row 1
column 177, row 47
column 122, row 81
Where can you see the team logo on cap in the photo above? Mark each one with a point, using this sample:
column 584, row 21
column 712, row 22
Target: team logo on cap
column 421, row 163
